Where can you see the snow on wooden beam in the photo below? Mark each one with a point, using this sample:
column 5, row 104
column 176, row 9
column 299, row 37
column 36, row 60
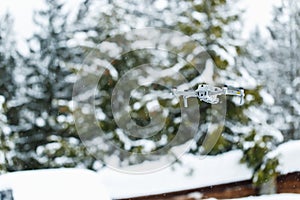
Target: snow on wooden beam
column 289, row 183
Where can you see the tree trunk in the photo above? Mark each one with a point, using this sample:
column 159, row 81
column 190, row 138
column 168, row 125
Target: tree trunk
column 269, row 187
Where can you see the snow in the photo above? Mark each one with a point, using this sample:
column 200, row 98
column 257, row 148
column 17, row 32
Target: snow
column 257, row 14
column 161, row 4
column 58, row 184
column 205, row 77
column 268, row 99
column 195, row 172
column 288, row 157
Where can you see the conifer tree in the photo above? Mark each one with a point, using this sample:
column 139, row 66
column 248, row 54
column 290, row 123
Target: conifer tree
column 9, row 104
column 48, row 137
column 273, row 62
column 214, row 26
column 284, row 52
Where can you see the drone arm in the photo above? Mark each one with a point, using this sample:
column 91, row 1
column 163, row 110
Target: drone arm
column 185, row 95
column 235, row 92
column 185, row 102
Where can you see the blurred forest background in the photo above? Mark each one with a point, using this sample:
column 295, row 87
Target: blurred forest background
column 37, row 127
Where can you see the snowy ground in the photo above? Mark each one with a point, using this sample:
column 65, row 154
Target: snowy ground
column 195, row 172
column 58, row 184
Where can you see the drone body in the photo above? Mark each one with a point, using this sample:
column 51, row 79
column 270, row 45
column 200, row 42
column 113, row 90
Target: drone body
column 209, row 94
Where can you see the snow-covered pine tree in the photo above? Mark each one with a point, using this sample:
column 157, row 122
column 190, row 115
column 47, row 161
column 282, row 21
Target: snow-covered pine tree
column 284, row 54
column 47, row 135
column 273, row 62
column 216, row 27
column 116, row 17
column 9, row 106
column 263, row 137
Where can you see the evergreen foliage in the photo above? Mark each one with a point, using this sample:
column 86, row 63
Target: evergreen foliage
column 8, row 86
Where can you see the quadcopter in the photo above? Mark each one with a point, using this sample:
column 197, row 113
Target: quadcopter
column 209, row 94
